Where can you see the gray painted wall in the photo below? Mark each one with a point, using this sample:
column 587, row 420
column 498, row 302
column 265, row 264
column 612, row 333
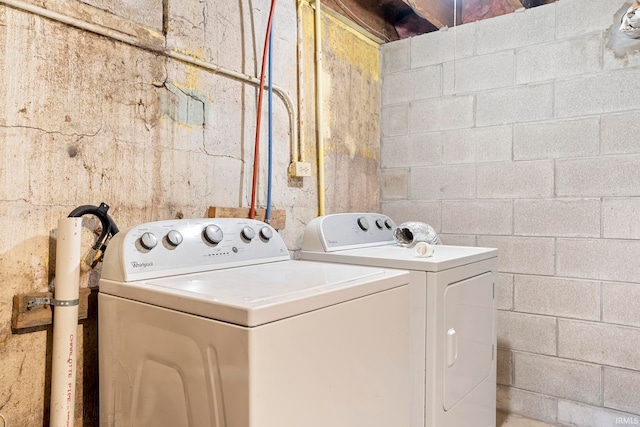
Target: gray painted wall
column 521, row 132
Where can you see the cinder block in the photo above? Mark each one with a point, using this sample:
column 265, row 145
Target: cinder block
column 395, row 184
column 601, row 176
column 395, row 56
column 504, row 292
column 599, row 343
column 579, row 299
column 559, row 59
column 599, row 259
column 441, row 114
column 477, row 217
column 576, row 414
column 443, row 182
column 406, row 86
column 619, row 303
column 477, row 145
column 403, row 211
column 524, row 28
column 478, row 73
column 420, row 149
column 441, row 46
column 622, row 389
column 522, row 255
column 620, row 218
column 619, row 134
column 585, row 16
column 395, row 152
column 557, row 217
column 505, row 367
column 599, row 94
column 569, row 138
column 557, row 377
column 508, row 180
column 457, row 239
column 526, row 332
column 515, row 105
column 395, row 120
column 529, row 404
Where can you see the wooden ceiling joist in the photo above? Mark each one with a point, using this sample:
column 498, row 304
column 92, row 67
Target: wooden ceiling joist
column 517, row 4
column 438, row 12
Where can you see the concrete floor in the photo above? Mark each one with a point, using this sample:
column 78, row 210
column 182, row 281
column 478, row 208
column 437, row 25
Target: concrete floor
column 512, row 420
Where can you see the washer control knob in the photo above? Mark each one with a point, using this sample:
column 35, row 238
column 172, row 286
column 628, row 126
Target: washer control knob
column 213, row 234
column 363, row 223
column 266, row 233
column 248, row 233
column 388, row 224
column 379, row 224
column 174, row 238
column 148, row 240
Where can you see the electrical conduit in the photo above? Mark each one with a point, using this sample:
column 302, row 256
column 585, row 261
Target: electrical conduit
column 319, row 102
column 301, row 78
column 65, row 329
column 133, row 41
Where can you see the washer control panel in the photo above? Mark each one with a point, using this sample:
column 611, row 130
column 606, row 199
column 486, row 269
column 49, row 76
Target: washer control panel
column 167, row 248
column 348, row 231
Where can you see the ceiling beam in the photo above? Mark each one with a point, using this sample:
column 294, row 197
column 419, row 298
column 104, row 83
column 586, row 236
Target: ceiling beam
column 438, row 12
column 517, row 4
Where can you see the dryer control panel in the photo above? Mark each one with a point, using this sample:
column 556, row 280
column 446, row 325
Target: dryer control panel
column 348, row 231
column 167, row 248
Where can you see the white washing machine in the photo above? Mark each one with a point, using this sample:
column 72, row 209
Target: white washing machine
column 453, row 333
column 209, row 323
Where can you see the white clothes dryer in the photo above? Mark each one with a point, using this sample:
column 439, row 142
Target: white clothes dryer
column 209, row 323
column 453, row 334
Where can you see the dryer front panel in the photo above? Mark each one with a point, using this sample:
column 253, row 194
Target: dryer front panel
column 468, row 336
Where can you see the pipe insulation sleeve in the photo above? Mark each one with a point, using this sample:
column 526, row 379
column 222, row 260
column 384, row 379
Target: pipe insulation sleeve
column 65, row 322
column 409, row 233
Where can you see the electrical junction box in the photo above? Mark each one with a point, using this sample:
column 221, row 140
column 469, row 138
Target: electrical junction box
column 300, row 169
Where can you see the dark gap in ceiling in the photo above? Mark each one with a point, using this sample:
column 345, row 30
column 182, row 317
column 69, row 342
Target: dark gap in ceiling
column 391, row 20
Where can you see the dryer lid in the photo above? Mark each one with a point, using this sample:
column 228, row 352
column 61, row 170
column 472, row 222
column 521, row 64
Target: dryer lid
column 259, row 294
column 395, row 256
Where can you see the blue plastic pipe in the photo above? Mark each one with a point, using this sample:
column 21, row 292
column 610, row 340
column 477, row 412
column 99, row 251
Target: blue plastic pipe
column 267, row 215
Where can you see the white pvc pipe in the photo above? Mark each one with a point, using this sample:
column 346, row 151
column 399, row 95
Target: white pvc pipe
column 65, row 322
column 133, row 41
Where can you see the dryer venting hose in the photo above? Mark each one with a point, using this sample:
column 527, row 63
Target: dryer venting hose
column 409, row 233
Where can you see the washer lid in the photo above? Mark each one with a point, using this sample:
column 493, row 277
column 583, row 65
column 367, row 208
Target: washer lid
column 395, row 256
column 258, row 294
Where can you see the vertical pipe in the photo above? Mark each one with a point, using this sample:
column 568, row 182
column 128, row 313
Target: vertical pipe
column 301, row 79
column 65, row 322
column 256, row 150
column 319, row 102
column 267, row 216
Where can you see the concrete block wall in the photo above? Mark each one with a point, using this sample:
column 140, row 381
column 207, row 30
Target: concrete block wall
column 520, row 132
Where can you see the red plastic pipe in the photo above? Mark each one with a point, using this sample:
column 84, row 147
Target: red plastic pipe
column 256, row 151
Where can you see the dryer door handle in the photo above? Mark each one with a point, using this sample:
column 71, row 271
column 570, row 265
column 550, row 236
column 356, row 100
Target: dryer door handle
column 451, row 347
